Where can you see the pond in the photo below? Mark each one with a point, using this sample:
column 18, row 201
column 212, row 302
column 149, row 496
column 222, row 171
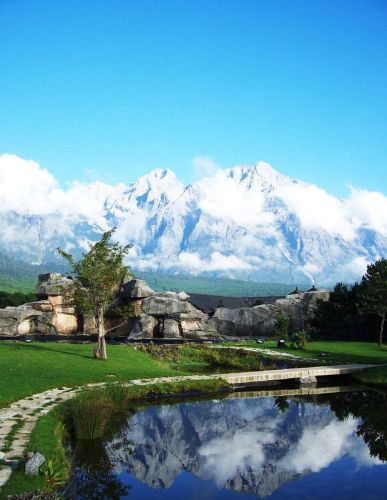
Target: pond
column 280, row 446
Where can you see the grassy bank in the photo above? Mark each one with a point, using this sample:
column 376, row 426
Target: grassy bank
column 93, row 414
column 204, row 358
column 28, row 368
column 47, row 437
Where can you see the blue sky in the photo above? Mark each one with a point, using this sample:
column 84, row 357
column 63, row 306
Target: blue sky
column 110, row 89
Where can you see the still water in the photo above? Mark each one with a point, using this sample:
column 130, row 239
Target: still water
column 242, row 447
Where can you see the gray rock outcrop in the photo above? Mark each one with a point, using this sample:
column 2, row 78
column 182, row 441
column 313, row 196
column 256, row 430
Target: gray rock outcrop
column 167, row 305
column 144, row 327
column 135, row 289
column 175, row 318
column 52, row 284
column 33, row 464
column 171, row 328
column 156, row 314
column 260, row 320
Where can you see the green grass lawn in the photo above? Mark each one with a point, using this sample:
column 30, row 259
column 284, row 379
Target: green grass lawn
column 28, row 368
column 337, row 351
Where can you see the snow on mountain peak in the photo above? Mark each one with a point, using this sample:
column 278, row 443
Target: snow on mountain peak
column 249, row 221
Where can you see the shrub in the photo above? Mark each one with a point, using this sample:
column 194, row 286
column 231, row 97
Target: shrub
column 299, row 339
column 281, row 326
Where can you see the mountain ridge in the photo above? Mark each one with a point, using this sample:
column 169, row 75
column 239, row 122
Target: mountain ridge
column 247, row 222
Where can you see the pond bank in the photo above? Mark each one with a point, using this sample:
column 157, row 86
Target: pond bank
column 29, row 409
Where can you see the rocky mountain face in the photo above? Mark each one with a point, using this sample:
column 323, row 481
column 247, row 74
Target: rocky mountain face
column 248, row 222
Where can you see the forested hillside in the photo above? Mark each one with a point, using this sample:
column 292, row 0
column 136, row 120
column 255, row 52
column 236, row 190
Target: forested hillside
column 18, row 276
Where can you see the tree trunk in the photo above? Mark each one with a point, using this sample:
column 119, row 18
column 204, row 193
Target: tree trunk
column 381, row 329
column 100, row 350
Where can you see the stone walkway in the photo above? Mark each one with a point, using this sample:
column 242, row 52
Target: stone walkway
column 25, row 414
column 27, row 411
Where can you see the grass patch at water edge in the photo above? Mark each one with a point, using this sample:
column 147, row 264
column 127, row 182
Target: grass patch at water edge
column 47, row 437
column 90, row 415
column 206, row 358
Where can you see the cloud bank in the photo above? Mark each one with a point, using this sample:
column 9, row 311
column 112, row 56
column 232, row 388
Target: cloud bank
column 236, row 220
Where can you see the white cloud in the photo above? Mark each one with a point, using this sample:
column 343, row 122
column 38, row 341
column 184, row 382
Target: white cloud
column 356, row 267
column 243, row 451
column 216, row 262
column 204, row 166
column 317, row 209
column 24, row 185
column 319, row 447
column 27, row 188
column 367, row 209
column 223, row 198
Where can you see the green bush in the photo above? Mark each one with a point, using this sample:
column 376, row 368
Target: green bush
column 299, row 339
column 281, row 326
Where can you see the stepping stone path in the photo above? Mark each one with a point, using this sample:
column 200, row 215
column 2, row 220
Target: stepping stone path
column 28, row 411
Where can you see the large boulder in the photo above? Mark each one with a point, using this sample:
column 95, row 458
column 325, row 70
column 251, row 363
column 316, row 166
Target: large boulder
column 52, row 284
column 19, row 320
column 194, row 328
column 161, row 305
column 37, row 317
column 244, row 321
column 143, row 327
column 135, row 289
column 171, row 329
column 260, row 320
column 301, row 307
column 183, row 296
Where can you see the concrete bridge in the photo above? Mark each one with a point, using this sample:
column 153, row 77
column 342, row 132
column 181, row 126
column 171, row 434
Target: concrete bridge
column 306, row 375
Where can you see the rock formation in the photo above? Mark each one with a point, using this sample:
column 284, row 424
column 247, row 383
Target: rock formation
column 171, row 315
column 52, row 313
column 260, row 320
column 156, row 314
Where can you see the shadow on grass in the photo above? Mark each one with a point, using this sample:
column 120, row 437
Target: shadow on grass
column 58, row 349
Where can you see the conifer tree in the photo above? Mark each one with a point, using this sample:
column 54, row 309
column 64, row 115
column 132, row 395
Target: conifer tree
column 374, row 292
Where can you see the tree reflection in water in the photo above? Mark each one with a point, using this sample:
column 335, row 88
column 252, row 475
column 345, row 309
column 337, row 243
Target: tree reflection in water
column 371, row 408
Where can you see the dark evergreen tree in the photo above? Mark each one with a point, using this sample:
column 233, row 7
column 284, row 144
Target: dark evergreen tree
column 340, row 315
column 374, row 293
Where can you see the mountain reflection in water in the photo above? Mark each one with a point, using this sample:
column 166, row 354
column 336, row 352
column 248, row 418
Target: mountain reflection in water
column 254, row 445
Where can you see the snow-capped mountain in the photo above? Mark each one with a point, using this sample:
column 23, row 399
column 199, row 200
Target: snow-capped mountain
column 248, row 222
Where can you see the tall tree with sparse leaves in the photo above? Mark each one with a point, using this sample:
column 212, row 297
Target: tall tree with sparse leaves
column 97, row 277
column 374, row 292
